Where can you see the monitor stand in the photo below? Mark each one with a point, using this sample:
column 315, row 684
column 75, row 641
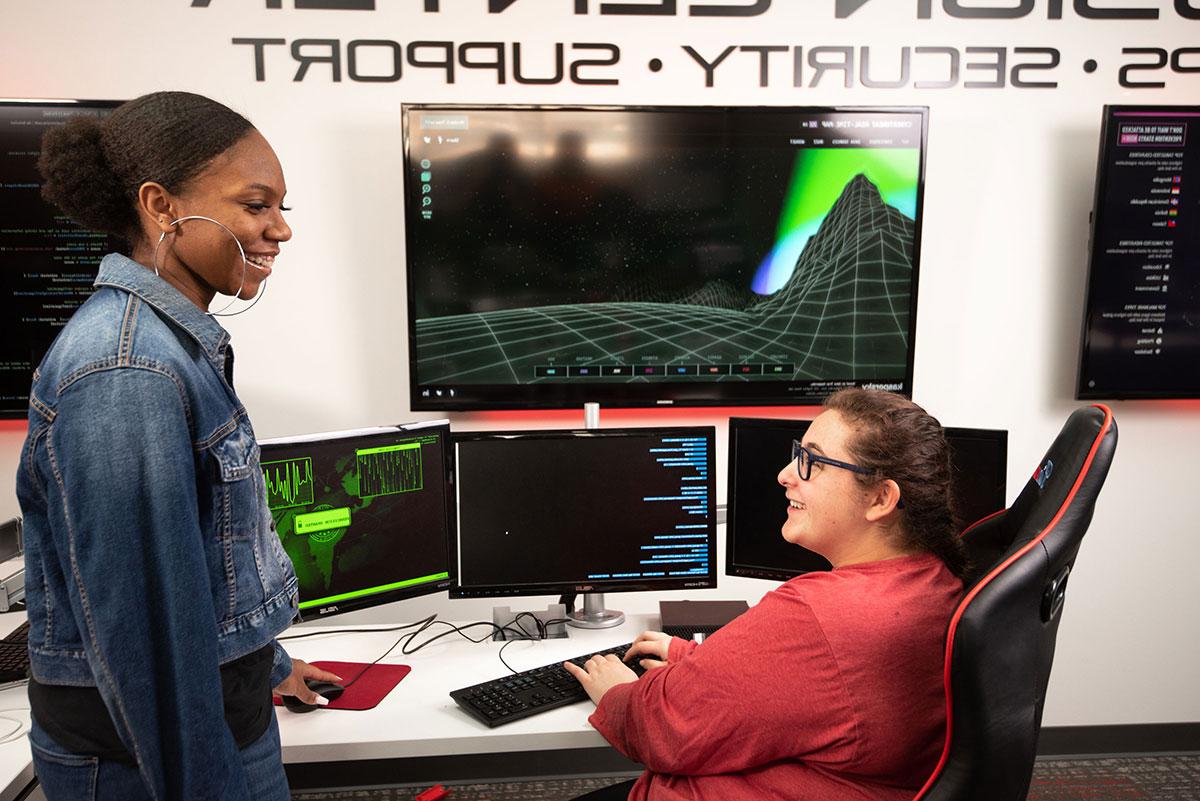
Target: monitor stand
column 593, row 615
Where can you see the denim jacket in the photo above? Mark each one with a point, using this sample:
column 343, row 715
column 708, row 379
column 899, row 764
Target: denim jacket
column 151, row 557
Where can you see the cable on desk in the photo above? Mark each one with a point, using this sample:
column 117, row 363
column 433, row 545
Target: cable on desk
column 21, row 728
column 543, row 626
column 521, row 633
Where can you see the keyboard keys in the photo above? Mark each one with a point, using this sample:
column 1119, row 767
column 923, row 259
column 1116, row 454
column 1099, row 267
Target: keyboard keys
column 539, row 689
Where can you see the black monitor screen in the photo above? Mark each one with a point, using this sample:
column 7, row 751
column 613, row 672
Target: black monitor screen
column 757, row 509
column 362, row 514
column 47, row 262
column 584, row 511
column 1141, row 328
column 650, row 256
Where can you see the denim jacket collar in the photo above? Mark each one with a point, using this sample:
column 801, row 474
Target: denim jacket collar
column 124, row 273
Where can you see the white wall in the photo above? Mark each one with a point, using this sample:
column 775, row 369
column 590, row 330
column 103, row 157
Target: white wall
column 1008, row 189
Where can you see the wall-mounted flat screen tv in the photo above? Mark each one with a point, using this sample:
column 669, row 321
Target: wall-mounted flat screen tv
column 1141, row 325
column 659, row 256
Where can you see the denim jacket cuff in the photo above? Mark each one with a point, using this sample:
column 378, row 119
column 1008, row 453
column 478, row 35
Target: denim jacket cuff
column 281, row 667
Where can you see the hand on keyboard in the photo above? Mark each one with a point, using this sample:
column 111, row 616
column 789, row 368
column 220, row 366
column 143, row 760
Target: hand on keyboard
column 599, row 674
column 649, row 650
column 510, row 698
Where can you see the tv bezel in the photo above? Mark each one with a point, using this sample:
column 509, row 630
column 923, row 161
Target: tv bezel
column 602, row 585
column 575, row 393
column 1107, row 131
column 442, row 427
column 8, row 102
column 732, row 567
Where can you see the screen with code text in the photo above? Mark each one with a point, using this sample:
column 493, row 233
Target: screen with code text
column 1141, row 329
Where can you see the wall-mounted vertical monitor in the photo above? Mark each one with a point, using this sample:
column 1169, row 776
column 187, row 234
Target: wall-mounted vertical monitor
column 757, row 509
column 362, row 514
column 650, row 256
column 607, row 510
column 47, row 262
column 1141, row 327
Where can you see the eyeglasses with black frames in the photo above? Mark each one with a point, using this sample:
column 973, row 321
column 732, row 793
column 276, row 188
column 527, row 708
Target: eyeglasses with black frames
column 805, row 459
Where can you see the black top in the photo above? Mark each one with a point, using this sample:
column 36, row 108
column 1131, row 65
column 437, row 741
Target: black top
column 77, row 719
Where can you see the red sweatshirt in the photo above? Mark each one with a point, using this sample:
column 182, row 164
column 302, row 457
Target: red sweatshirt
column 829, row 688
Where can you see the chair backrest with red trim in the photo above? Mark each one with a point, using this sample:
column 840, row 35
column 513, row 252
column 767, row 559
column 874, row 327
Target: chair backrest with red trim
column 1000, row 645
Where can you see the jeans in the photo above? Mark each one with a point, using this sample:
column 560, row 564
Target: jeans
column 64, row 776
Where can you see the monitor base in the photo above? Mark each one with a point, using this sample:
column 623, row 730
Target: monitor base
column 594, row 615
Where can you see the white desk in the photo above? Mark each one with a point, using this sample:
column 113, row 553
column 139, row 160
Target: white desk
column 16, row 763
column 418, row 718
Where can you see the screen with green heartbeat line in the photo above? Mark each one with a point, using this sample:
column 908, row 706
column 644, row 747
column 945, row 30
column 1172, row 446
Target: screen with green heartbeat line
column 362, row 517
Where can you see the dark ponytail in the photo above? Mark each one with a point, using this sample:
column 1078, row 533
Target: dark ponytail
column 92, row 168
column 897, row 439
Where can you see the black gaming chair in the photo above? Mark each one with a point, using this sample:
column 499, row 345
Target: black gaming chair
column 1001, row 639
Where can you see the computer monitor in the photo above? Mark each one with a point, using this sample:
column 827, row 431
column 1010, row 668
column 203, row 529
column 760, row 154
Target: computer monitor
column 47, row 262
column 649, row 256
column 759, row 448
column 362, row 514
column 594, row 511
column 1141, row 326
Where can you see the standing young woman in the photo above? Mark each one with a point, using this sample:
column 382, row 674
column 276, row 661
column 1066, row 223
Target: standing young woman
column 831, row 686
column 154, row 578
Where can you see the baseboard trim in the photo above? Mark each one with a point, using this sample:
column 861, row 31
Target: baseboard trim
column 1133, row 738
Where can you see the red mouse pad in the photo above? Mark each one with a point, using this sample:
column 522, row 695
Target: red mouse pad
column 368, row 689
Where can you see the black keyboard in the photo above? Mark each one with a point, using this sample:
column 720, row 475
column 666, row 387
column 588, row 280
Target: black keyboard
column 19, row 634
column 527, row 693
column 14, row 655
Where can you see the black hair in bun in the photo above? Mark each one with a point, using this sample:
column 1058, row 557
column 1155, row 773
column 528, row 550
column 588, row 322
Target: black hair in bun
column 92, row 168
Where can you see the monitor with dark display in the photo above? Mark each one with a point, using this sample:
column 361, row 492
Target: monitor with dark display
column 659, row 256
column 606, row 510
column 362, row 514
column 759, row 448
column 47, row 262
column 1141, row 326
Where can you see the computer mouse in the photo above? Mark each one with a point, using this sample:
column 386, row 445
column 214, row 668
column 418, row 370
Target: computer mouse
column 326, row 689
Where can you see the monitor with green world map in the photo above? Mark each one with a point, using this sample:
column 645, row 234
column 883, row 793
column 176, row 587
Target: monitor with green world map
column 361, row 514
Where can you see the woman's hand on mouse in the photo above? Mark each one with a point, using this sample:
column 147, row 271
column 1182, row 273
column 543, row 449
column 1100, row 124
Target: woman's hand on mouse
column 652, row 648
column 294, row 684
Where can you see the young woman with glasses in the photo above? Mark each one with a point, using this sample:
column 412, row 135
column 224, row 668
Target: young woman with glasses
column 831, row 686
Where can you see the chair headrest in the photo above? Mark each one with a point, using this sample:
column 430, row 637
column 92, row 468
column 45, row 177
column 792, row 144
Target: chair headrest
column 1056, row 503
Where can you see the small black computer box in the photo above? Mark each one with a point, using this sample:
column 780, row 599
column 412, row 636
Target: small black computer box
column 686, row 619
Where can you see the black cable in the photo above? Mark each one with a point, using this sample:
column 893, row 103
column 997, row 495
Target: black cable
column 544, row 626
column 355, row 631
column 520, row 633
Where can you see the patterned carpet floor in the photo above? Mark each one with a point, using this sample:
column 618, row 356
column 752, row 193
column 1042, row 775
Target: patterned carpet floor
column 1154, row 778
column 1160, row 778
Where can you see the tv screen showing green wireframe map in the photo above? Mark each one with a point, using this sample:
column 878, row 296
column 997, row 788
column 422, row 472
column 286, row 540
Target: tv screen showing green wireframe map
column 651, row 256
column 362, row 515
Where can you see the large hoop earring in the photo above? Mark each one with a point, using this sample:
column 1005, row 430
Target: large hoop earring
column 262, row 288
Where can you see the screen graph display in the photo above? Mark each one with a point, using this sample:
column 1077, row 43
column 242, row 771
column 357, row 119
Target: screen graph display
column 362, row 515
